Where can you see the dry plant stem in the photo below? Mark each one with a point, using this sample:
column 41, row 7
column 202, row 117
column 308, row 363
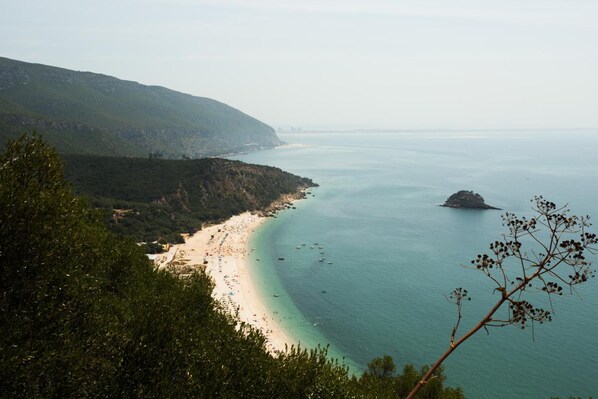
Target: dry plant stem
column 454, row 345
column 559, row 253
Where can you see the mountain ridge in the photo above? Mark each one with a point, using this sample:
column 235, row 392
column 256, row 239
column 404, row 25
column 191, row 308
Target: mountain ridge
column 138, row 119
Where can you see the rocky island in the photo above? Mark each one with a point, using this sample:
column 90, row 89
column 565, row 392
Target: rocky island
column 467, row 199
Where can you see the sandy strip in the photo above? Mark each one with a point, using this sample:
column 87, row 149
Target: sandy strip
column 290, row 145
column 223, row 249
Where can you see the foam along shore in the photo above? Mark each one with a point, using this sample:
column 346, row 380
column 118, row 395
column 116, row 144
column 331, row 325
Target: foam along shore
column 223, row 250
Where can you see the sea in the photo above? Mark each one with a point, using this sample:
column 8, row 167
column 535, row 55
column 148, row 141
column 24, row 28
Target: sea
column 370, row 258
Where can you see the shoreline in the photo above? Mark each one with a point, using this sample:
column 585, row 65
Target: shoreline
column 223, row 250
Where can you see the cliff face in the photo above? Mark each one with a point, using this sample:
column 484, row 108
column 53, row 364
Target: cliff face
column 466, row 199
column 81, row 112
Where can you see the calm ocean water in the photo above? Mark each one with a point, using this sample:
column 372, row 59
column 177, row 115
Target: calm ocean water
column 395, row 255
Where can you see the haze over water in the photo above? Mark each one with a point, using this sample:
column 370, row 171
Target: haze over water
column 396, row 255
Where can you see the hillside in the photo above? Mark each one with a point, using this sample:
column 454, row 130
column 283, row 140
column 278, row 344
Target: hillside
column 156, row 198
column 90, row 113
column 83, row 314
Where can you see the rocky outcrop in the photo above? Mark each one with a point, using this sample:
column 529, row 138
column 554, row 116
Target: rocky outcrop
column 467, row 199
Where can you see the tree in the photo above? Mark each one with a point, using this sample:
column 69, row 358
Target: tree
column 380, row 381
column 382, row 367
column 553, row 262
column 84, row 314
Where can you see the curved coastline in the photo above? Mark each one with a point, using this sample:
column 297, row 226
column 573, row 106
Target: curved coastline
column 278, row 303
column 272, row 294
column 244, row 286
column 223, row 251
column 256, row 281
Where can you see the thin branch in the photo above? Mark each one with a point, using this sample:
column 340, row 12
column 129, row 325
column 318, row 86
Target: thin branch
column 558, row 252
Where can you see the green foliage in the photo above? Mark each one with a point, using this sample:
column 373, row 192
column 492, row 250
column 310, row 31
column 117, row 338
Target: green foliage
column 160, row 198
column 82, row 112
column 310, row 374
column 84, row 314
column 153, row 248
column 55, row 260
column 381, row 367
column 380, row 381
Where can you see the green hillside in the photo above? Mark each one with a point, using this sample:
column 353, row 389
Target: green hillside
column 149, row 199
column 83, row 314
column 90, row 113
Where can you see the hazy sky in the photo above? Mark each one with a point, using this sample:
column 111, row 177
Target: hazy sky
column 345, row 63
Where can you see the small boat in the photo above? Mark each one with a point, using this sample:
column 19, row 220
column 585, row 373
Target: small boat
column 276, row 296
column 258, row 259
column 280, row 258
column 329, row 263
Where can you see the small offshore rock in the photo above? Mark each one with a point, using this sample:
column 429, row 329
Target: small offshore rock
column 467, row 199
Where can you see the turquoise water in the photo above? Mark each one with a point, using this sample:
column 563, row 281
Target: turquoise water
column 396, row 255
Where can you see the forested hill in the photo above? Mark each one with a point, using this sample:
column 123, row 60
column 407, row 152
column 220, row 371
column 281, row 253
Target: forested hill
column 83, row 314
column 150, row 199
column 90, row 113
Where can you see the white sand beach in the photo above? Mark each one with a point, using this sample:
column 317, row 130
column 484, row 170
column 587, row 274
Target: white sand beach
column 223, row 250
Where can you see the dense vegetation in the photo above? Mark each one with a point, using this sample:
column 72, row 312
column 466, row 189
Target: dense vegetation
column 149, row 199
column 83, row 112
column 84, row 314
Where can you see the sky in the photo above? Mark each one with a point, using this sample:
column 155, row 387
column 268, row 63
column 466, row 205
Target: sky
column 390, row 64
